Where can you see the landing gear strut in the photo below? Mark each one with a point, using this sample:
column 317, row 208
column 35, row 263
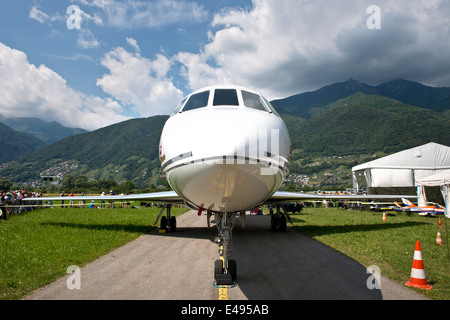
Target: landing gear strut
column 225, row 270
column 168, row 222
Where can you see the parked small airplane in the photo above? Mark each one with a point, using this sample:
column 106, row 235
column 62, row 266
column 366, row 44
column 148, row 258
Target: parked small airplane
column 383, row 207
column 225, row 150
column 422, row 210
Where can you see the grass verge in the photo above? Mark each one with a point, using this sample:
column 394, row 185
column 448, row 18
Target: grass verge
column 37, row 247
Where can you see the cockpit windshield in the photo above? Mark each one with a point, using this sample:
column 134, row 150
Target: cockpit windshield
column 196, row 101
column 225, row 97
column 254, row 101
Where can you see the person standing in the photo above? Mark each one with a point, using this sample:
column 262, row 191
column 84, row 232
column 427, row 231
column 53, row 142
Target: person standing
column 2, row 206
column 62, row 201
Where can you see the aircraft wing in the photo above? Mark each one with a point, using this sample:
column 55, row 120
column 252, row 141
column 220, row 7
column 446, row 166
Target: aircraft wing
column 171, row 197
column 281, row 196
column 163, row 197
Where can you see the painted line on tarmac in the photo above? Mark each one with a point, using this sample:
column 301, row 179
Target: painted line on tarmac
column 223, row 293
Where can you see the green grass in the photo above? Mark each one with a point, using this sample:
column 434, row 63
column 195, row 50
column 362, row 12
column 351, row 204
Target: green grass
column 390, row 245
column 37, row 247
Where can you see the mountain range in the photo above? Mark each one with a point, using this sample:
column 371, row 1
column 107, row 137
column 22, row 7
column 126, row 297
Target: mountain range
column 21, row 136
column 307, row 104
column 47, row 131
column 344, row 118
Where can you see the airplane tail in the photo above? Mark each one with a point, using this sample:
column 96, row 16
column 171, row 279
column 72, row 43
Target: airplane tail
column 407, row 202
column 397, row 204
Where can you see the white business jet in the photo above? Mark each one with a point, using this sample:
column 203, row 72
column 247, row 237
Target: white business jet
column 225, row 150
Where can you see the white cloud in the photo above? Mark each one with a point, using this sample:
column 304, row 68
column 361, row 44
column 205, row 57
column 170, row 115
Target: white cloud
column 30, row 91
column 133, row 14
column 42, row 17
column 140, row 82
column 286, row 47
column 38, row 15
column 133, row 43
column 94, row 18
column 87, row 40
column 130, row 14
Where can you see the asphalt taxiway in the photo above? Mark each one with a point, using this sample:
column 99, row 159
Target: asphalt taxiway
column 179, row 266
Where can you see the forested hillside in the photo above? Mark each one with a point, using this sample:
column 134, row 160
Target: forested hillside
column 14, row 143
column 124, row 151
column 364, row 123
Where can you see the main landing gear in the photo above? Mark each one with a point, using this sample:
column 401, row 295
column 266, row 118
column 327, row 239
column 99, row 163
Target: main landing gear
column 168, row 222
column 225, row 270
column 278, row 220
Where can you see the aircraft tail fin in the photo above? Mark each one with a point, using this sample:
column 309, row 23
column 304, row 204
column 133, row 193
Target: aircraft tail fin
column 407, row 202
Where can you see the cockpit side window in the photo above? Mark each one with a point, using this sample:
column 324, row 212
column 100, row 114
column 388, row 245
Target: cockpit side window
column 180, row 105
column 225, row 97
column 270, row 106
column 254, row 101
column 196, row 101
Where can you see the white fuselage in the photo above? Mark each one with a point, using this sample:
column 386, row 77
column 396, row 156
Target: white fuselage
column 225, row 157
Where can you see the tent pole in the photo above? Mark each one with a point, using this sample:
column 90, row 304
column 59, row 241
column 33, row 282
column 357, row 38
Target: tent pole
column 418, row 195
column 446, row 201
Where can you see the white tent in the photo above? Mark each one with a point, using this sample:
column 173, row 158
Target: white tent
column 437, row 180
column 404, row 168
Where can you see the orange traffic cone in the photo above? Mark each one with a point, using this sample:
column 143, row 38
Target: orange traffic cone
column 439, row 239
column 384, row 216
column 440, row 222
column 418, row 278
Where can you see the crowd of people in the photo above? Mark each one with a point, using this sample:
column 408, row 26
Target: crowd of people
column 11, row 202
column 92, row 204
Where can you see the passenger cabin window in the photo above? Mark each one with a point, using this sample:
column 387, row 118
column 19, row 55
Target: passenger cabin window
column 196, row 101
column 225, row 97
column 253, row 101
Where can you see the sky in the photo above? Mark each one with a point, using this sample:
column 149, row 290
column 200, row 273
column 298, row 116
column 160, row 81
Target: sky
column 93, row 63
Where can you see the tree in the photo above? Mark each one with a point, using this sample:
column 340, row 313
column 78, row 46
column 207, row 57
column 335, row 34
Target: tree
column 81, row 182
column 127, row 186
column 107, row 184
column 5, row 185
column 68, row 182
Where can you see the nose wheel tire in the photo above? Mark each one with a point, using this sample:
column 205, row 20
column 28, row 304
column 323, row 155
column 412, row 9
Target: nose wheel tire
column 225, row 276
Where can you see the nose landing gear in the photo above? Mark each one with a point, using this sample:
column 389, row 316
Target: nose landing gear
column 225, row 270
